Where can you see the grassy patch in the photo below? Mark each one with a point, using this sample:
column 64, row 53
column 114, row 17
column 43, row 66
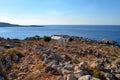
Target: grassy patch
column 95, row 72
column 76, row 61
column 13, row 51
column 39, row 66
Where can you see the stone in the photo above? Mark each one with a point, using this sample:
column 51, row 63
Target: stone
column 39, row 47
column 69, row 67
column 64, row 71
column 60, row 78
column 8, row 46
column 15, row 58
column 87, row 77
column 1, row 64
column 2, row 78
column 48, row 51
column 117, row 76
column 76, row 69
column 109, row 76
column 24, row 68
column 13, row 76
column 71, row 77
column 83, row 64
column 80, row 73
column 44, row 57
column 117, row 61
column 65, row 58
column 98, row 55
column 57, row 57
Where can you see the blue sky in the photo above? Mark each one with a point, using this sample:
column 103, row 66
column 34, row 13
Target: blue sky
column 95, row 12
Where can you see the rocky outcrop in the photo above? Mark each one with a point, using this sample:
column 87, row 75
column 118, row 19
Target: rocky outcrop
column 38, row 60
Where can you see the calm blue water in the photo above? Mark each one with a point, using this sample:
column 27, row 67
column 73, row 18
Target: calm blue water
column 92, row 32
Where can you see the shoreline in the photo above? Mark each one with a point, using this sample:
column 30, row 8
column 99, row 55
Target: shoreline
column 74, row 38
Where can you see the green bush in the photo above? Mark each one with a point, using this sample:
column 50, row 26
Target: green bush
column 95, row 72
column 98, row 74
column 76, row 61
column 47, row 38
column 71, row 39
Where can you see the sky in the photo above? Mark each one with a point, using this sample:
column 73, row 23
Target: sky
column 63, row 12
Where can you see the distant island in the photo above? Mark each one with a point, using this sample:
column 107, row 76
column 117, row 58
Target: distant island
column 4, row 24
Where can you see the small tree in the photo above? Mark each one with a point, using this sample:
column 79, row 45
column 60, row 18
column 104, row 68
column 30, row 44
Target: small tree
column 47, row 38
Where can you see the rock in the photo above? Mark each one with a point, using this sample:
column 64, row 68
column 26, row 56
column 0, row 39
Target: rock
column 90, row 51
column 12, row 76
column 71, row 77
column 69, row 67
column 109, row 76
column 98, row 65
column 64, row 71
column 21, row 76
column 15, row 58
column 117, row 76
column 24, row 68
column 83, row 64
column 65, row 58
column 39, row 48
column 48, row 52
column 60, row 78
column 87, row 77
column 44, row 57
column 57, row 57
column 2, row 76
column 117, row 61
column 8, row 46
column 1, row 64
column 98, row 55
column 79, row 74
column 76, row 68
column 48, row 69
column 110, row 42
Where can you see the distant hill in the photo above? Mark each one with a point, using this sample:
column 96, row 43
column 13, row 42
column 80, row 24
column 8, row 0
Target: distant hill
column 4, row 24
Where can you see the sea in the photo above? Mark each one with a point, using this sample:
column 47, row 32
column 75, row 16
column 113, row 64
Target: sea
column 95, row 32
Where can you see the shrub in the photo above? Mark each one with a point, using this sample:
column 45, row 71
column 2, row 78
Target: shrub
column 94, row 72
column 71, row 39
column 47, row 38
column 76, row 61
column 98, row 74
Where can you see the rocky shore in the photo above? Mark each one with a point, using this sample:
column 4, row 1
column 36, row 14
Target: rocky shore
column 41, row 58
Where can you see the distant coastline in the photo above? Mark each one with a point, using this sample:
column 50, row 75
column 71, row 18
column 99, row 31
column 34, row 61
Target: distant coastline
column 4, row 24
